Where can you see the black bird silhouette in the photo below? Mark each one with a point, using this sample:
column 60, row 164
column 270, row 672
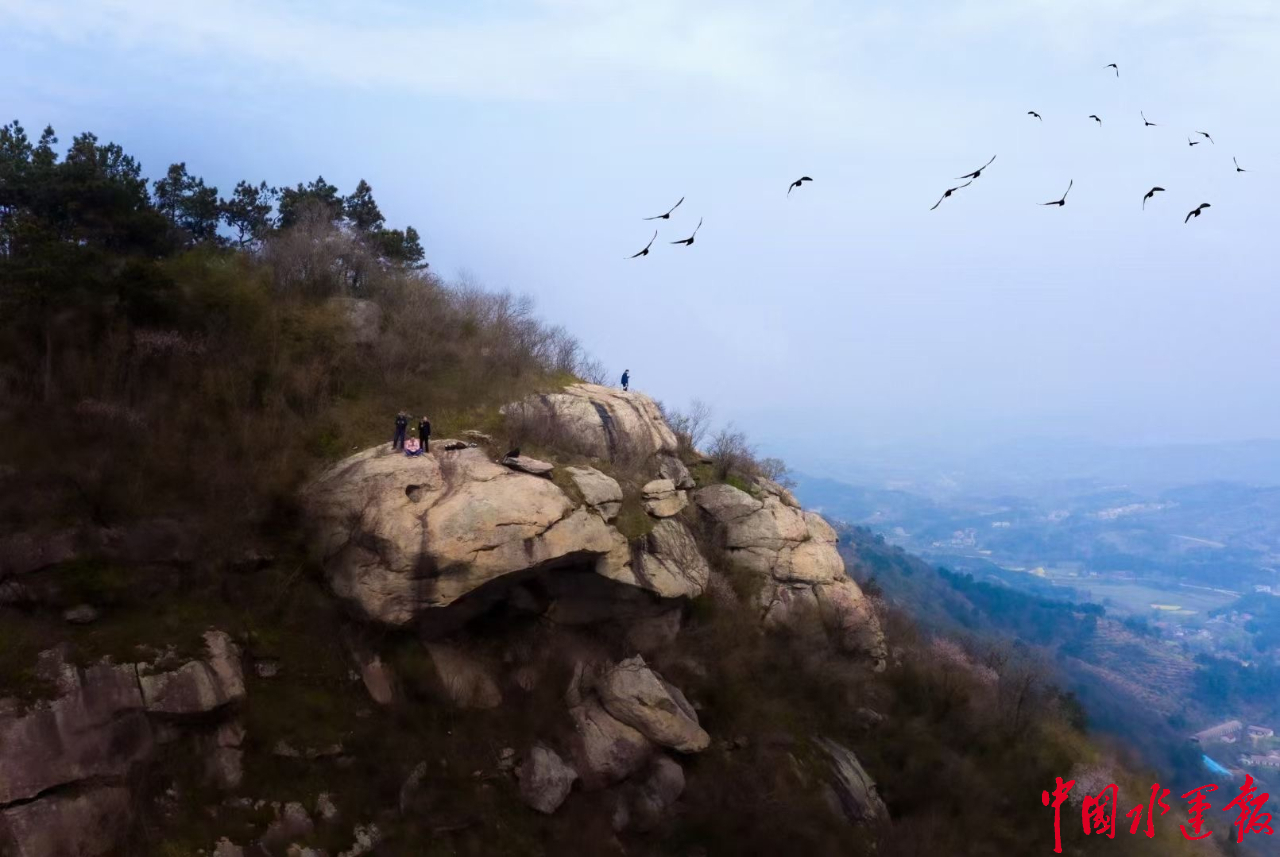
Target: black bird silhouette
column 1095, row 118
column 1145, row 121
column 645, row 251
column 950, row 191
column 1191, row 142
column 1195, row 212
column 1063, row 201
column 1205, row 134
column 513, row 453
column 1239, row 168
column 666, row 216
column 1150, row 194
column 687, row 241
column 978, row 172
column 1035, row 114
column 1113, row 65
column 795, row 184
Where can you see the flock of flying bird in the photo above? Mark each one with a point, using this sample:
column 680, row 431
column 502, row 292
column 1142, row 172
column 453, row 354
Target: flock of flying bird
column 1195, row 212
column 971, row 177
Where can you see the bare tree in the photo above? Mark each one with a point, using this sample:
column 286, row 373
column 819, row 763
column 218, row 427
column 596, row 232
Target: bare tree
column 691, row 426
column 731, row 453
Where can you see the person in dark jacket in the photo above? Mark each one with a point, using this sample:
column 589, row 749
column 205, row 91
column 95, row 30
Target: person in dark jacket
column 424, row 433
column 402, row 425
column 626, row 379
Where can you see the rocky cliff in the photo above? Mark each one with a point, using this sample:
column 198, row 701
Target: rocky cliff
column 511, row 576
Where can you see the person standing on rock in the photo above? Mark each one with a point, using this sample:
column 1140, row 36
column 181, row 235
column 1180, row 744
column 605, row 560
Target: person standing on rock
column 402, row 425
column 626, row 379
column 424, row 433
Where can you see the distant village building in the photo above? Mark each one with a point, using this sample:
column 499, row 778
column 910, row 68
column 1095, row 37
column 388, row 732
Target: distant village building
column 1271, row 760
column 1227, row 732
column 1258, row 733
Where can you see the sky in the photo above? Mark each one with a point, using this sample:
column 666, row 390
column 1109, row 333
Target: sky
column 526, row 141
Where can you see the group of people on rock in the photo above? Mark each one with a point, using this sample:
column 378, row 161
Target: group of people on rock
column 411, row 445
column 422, row 443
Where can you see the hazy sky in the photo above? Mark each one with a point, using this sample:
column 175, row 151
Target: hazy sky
column 526, row 140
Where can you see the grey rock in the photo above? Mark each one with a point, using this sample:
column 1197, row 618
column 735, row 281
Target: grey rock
column 600, row 422
column 662, row 500
column 638, row 697
column 81, row 614
column 545, row 779
column 671, row 467
column 532, row 466
column 605, row 750
column 600, row 491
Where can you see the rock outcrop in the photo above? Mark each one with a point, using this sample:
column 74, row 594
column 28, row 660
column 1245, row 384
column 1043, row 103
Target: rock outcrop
column 598, row 421
column 599, row 491
column 198, row 686
column 64, row 763
column 402, row 535
column 666, row 561
column 545, row 779
column 852, row 791
column 662, row 500
column 87, row 823
column 794, row 554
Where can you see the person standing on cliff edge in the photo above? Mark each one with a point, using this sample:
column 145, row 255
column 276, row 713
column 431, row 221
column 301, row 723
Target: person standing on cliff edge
column 402, row 425
column 424, row 433
column 626, row 379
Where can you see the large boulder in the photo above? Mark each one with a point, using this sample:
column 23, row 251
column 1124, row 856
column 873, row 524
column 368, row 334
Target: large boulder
column 666, row 561
column 852, row 791
column 671, row 467
column 599, row 491
column 640, row 698
column 400, row 536
column 662, row 500
column 597, row 421
column 793, row 552
column 545, row 779
column 605, row 750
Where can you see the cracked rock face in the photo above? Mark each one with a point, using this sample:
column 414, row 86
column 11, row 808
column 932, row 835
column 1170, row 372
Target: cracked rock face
column 65, row 762
column 400, row 536
column 666, row 562
column 598, row 421
column 803, row 580
column 852, row 791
